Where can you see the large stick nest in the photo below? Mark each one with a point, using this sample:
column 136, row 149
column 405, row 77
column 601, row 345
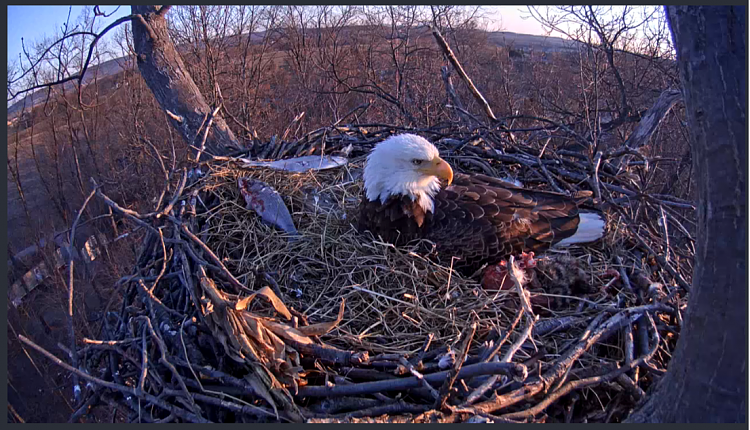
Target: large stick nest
column 226, row 318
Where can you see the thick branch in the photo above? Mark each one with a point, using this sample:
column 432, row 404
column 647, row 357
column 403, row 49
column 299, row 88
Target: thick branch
column 168, row 78
column 454, row 61
column 412, row 382
column 652, row 118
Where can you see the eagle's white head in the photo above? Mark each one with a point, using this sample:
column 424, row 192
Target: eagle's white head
column 405, row 164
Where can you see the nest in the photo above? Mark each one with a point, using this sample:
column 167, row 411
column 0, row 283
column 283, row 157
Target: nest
column 227, row 318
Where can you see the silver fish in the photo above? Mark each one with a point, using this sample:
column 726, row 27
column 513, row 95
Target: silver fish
column 299, row 164
column 316, row 201
column 266, row 202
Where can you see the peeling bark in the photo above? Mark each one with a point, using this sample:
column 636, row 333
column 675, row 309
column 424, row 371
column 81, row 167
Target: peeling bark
column 707, row 376
column 652, row 118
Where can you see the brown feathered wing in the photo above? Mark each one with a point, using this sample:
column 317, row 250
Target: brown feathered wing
column 484, row 220
column 478, row 219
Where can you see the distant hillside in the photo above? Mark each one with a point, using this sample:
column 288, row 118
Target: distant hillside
column 518, row 41
column 104, row 70
column 527, row 42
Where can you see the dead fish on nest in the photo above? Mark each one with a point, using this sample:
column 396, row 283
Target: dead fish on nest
column 299, row 164
column 267, row 203
column 316, row 201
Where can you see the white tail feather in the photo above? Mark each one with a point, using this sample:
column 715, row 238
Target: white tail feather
column 590, row 229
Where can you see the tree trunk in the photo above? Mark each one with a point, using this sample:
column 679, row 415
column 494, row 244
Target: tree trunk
column 165, row 74
column 707, row 375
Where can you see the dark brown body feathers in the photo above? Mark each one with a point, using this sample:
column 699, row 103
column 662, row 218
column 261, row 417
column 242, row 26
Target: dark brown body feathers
column 478, row 219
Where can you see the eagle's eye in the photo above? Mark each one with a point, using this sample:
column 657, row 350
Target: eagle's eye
column 416, row 161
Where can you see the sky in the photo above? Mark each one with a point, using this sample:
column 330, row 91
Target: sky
column 35, row 22
column 515, row 19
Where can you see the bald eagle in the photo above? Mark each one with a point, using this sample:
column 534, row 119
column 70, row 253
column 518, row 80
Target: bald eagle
column 411, row 193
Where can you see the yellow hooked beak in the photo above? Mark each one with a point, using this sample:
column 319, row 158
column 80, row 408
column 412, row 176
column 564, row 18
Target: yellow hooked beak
column 438, row 167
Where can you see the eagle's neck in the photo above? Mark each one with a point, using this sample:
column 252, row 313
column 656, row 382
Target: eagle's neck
column 420, row 190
